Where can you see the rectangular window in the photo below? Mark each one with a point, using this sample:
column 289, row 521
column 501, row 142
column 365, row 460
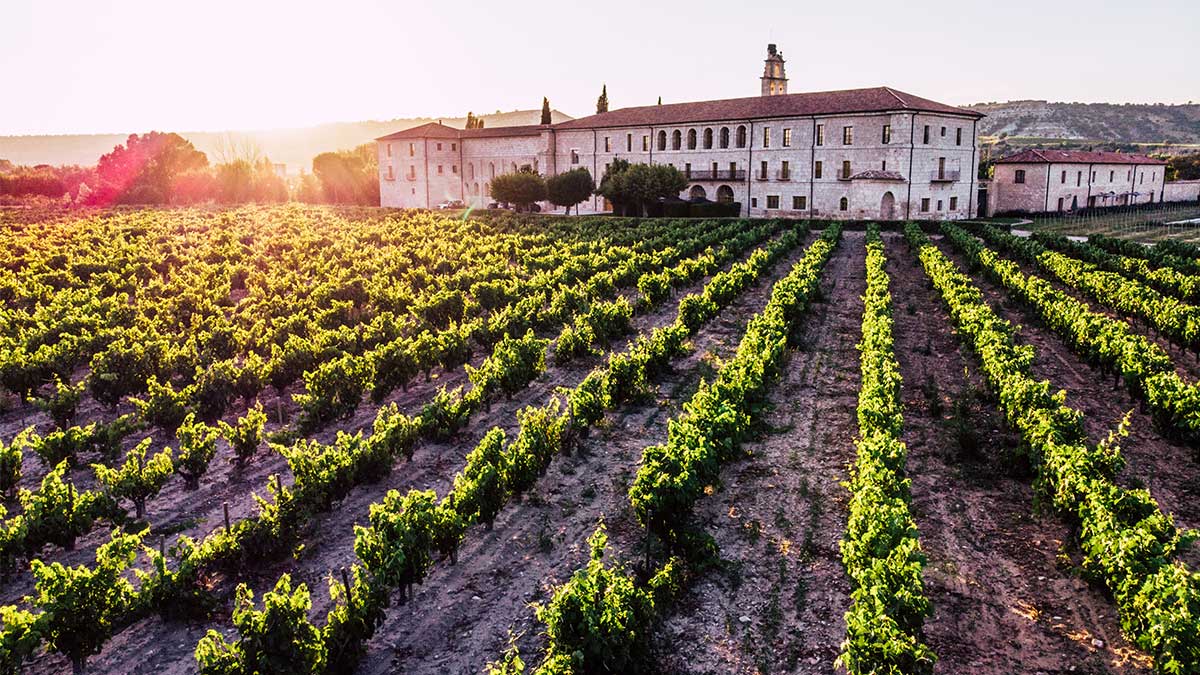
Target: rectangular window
column 754, row 202
column 766, row 137
column 925, row 205
column 762, row 174
column 607, row 144
column 787, row 138
column 439, row 146
column 412, row 173
column 785, row 172
column 926, row 135
column 454, row 146
column 1142, row 178
column 1064, row 178
column 1060, row 203
column 817, row 169
column 958, row 136
column 439, row 169
column 389, row 149
column 1093, row 179
column 574, row 156
column 628, row 142
column 800, row 202
column 887, row 134
column 412, row 149
column 847, row 135
column 687, row 170
column 1078, row 178
column 845, row 169
column 1111, row 175
column 943, row 136
column 645, row 143
column 820, row 134
column 939, row 205
column 954, row 203
column 884, row 167
column 390, row 176
column 453, row 168
column 1019, row 176
column 941, row 168
column 732, row 170
column 772, row 201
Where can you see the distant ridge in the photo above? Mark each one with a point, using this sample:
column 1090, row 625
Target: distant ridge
column 1103, row 122
column 293, row 147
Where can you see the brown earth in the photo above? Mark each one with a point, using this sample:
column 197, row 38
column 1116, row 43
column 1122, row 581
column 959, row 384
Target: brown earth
column 154, row 646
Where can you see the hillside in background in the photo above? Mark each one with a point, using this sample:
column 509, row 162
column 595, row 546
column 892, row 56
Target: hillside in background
column 294, row 147
column 1100, row 122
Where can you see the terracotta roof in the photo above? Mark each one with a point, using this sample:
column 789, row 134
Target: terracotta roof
column 1034, row 156
column 877, row 99
column 430, row 130
column 488, row 132
column 439, row 130
column 876, row 174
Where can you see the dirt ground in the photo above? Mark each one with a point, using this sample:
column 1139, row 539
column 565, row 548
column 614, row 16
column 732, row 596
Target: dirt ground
column 154, row 646
column 776, row 602
column 1001, row 576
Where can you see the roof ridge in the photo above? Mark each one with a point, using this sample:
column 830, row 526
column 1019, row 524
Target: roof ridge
column 895, row 95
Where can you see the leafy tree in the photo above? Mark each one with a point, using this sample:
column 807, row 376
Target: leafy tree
column 638, row 186
column 522, row 188
column 546, row 110
column 138, row 479
column 279, row 638
column 602, row 102
column 143, row 171
column 197, row 446
column 570, row 188
column 1183, row 167
column 82, row 605
column 349, row 176
column 474, row 122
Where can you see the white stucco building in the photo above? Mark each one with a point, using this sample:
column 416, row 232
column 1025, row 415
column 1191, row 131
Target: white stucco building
column 873, row 153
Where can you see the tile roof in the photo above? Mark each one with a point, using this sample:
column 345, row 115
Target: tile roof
column 1035, row 156
column 877, row 99
column 430, row 130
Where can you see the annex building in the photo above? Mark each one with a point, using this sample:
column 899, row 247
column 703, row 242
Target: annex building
column 873, row 153
column 1046, row 181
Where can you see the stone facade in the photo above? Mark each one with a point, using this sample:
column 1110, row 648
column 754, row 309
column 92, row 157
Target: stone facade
column 856, row 154
column 1053, row 181
column 1182, row 191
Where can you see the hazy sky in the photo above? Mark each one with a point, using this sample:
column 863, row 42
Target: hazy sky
column 136, row 65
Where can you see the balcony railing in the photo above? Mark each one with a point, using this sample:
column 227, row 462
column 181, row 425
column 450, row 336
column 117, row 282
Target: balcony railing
column 720, row 174
column 945, row 176
column 783, row 174
column 410, row 176
column 761, row 175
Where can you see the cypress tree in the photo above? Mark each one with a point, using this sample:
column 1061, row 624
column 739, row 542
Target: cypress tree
column 602, row 102
column 545, row 110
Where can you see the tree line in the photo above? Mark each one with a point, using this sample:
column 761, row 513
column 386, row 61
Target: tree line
column 165, row 168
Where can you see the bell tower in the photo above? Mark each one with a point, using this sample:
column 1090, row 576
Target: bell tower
column 774, row 78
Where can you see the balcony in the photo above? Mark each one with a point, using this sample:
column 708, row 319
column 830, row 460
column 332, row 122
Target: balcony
column 761, row 176
column 735, row 175
column 783, row 175
column 410, row 176
column 945, row 176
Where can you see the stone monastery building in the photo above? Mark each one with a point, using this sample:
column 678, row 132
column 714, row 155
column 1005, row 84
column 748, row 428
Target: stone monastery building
column 872, row 153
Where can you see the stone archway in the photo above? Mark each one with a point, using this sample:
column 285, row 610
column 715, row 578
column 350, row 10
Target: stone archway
column 697, row 192
column 887, row 207
column 724, row 194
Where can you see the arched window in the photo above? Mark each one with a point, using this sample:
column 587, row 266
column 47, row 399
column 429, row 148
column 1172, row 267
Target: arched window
column 844, row 205
column 741, row 136
column 691, row 139
column 708, row 139
column 725, row 194
column 662, row 140
column 676, row 140
column 724, row 137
